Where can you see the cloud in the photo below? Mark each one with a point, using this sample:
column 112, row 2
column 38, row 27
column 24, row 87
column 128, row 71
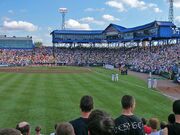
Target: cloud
column 5, row 18
column 154, row 7
column 49, row 28
column 47, row 35
column 115, row 4
column 73, row 24
column 19, row 25
column 10, row 11
column 94, row 9
column 108, row 17
column 91, row 20
column 87, row 19
column 135, row 3
column 177, row 3
column 157, row 10
column 122, row 5
column 37, row 38
column 177, row 20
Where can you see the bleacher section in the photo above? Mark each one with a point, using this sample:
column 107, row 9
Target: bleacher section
column 16, row 42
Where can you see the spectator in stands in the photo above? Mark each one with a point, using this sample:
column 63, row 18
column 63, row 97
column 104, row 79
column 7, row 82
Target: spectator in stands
column 174, row 129
column 128, row 123
column 55, row 126
column 100, row 123
column 171, row 118
column 80, row 124
column 147, row 129
column 24, row 127
column 38, row 130
column 9, row 131
column 65, row 129
column 154, row 124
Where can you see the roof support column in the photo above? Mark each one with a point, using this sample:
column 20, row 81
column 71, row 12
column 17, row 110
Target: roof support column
column 54, row 50
column 150, row 44
column 119, row 44
column 138, row 42
column 177, row 41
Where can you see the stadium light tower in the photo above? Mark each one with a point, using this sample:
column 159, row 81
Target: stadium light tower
column 63, row 11
column 171, row 10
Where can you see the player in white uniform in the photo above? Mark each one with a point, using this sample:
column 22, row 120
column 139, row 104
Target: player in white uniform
column 117, row 77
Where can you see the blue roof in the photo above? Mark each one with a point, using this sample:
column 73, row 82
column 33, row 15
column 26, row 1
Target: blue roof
column 163, row 23
column 88, row 32
column 159, row 23
column 117, row 27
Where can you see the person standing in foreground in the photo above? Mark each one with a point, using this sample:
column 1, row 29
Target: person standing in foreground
column 9, row 131
column 154, row 124
column 64, row 128
column 174, row 129
column 100, row 123
column 38, row 130
column 24, row 128
column 128, row 123
column 80, row 124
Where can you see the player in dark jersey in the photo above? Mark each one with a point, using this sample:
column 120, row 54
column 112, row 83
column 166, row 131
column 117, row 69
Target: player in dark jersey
column 174, row 129
column 128, row 123
column 80, row 124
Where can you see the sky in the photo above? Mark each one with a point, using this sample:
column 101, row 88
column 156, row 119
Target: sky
column 37, row 18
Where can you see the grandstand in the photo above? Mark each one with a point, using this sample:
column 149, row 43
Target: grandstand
column 158, row 31
column 16, row 42
column 153, row 47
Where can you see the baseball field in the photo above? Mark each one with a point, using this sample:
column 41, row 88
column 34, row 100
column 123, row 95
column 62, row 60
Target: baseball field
column 47, row 95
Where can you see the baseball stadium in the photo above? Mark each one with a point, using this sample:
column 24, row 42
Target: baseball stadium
column 43, row 85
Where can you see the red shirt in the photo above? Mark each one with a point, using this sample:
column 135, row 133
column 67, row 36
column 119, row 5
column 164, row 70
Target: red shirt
column 147, row 129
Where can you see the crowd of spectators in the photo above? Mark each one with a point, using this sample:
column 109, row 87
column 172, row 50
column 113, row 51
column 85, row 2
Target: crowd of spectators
column 42, row 55
column 98, row 122
column 157, row 59
column 15, row 57
column 88, row 56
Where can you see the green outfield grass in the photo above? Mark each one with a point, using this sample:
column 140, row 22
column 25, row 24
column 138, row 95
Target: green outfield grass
column 44, row 99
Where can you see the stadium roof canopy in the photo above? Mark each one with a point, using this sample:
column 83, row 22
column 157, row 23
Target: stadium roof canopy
column 149, row 25
column 117, row 27
column 83, row 32
column 115, row 33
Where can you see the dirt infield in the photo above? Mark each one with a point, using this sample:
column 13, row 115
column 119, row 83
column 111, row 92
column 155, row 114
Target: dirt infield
column 166, row 87
column 49, row 70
